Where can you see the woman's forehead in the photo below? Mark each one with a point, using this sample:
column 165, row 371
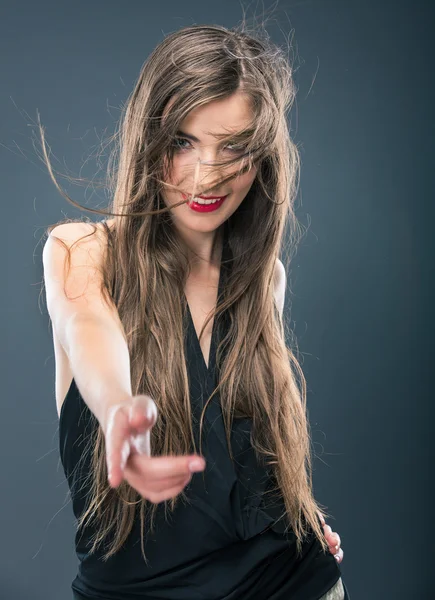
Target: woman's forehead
column 216, row 118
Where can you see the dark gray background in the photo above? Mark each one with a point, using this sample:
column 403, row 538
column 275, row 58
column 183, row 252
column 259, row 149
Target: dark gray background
column 361, row 308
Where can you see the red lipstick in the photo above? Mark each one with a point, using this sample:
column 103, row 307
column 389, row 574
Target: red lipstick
column 206, row 207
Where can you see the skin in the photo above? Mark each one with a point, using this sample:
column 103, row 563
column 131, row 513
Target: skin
column 128, row 431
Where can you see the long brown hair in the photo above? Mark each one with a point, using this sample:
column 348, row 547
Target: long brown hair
column 145, row 269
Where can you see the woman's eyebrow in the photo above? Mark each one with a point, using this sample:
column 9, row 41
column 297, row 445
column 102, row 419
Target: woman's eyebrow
column 215, row 135
column 187, row 135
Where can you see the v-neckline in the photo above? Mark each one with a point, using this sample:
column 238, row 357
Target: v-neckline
column 211, row 355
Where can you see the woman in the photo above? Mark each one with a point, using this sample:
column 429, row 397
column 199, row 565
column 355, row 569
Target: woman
column 183, row 432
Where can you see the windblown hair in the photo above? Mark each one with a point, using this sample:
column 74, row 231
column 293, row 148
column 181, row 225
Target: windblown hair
column 145, row 269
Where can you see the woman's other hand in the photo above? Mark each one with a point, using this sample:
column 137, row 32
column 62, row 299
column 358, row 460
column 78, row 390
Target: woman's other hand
column 334, row 541
column 127, row 435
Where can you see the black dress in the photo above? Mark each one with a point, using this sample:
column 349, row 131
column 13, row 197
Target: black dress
column 227, row 543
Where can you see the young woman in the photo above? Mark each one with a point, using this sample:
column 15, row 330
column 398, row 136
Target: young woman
column 183, row 428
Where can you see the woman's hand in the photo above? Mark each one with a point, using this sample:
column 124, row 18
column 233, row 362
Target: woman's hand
column 127, row 435
column 334, row 541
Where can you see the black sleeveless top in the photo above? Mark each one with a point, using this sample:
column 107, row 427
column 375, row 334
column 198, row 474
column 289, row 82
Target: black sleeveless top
column 227, row 543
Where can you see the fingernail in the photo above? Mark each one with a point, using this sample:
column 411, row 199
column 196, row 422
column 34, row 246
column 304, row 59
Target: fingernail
column 196, row 465
column 150, row 413
column 337, row 557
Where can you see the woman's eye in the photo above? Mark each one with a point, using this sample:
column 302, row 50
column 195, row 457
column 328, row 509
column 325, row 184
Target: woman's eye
column 177, row 145
column 237, row 148
column 231, row 147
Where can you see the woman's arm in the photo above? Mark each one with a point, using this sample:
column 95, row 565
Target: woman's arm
column 87, row 327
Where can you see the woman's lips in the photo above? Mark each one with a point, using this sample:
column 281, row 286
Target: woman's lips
column 197, row 207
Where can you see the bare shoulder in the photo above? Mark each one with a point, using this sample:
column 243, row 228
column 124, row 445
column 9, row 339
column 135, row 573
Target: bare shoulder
column 280, row 274
column 83, row 242
column 280, row 284
column 73, row 258
column 78, row 231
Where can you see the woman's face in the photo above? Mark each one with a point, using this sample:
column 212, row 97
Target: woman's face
column 195, row 143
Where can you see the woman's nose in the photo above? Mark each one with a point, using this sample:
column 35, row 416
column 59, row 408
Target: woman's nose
column 208, row 160
column 205, row 172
